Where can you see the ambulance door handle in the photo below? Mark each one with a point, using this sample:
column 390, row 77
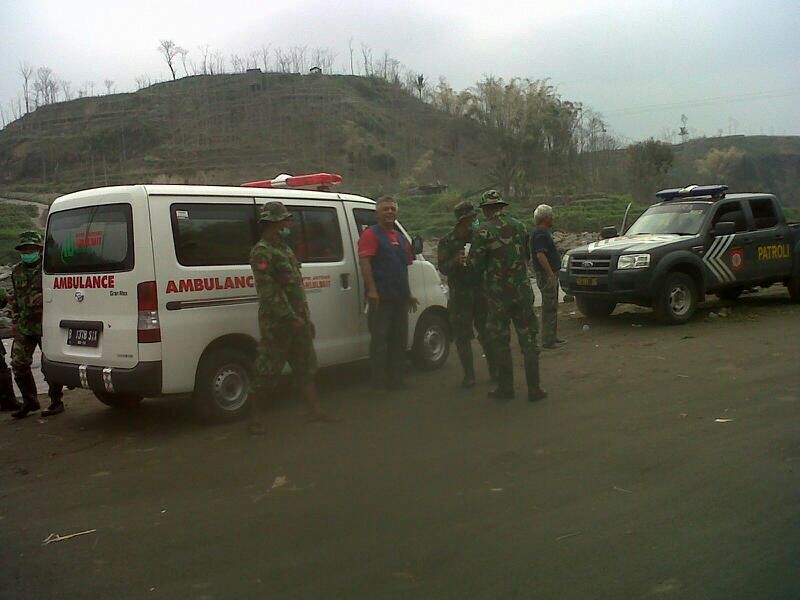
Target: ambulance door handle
column 345, row 279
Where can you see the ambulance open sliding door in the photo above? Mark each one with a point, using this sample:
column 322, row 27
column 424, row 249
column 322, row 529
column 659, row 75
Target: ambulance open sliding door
column 321, row 241
column 361, row 216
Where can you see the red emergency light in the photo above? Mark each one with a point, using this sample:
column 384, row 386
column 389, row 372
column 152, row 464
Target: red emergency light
column 315, row 180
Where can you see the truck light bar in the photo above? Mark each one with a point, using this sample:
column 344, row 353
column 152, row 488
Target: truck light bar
column 314, row 180
column 693, row 191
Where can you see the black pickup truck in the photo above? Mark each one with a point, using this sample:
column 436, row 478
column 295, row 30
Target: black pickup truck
column 697, row 240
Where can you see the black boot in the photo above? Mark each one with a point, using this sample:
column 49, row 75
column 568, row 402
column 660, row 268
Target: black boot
column 30, row 402
column 504, row 389
column 8, row 401
column 532, row 376
column 464, row 349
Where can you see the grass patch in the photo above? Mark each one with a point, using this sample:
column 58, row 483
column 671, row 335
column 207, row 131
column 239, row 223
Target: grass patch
column 14, row 219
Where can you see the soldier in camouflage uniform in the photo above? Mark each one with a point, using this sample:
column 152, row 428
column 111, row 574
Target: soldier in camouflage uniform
column 466, row 304
column 500, row 254
column 284, row 320
column 26, row 312
column 7, row 399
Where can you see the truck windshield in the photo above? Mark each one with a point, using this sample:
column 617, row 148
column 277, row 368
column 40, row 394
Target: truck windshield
column 681, row 219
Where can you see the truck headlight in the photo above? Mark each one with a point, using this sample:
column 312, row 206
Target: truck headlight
column 633, row 261
column 565, row 262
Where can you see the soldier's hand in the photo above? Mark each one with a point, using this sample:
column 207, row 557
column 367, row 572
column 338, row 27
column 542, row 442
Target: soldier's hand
column 413, row 303
column 298, row 323
column 373, row 298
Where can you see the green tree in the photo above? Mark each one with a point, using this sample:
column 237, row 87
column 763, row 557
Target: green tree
column 648, row 164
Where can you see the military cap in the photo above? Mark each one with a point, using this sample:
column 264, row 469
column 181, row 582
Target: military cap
column 492, row 198
column 29, row 238
column 463, row 210
column 274, row 212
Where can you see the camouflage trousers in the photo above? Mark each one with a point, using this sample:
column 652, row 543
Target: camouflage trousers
column 466, row 309
column 278, row 346
column 549, row 311
column 502, row 314
column 21, row 360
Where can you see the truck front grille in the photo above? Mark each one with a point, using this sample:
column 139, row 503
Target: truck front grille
column 589, row 265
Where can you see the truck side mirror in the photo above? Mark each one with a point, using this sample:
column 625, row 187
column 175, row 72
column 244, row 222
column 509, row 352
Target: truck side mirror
column 724, row 228
column 416, row 245
column 608, row 232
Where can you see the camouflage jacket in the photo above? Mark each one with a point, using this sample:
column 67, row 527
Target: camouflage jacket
column 499, row 254
column 26, row 302
column 458, row 275
column 281, row 296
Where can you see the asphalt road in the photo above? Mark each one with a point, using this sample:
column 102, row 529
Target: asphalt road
column 665, row 464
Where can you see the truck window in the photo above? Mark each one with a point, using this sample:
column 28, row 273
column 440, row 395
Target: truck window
column 764, row 214
column 213, row 234
column 316, row 235
column 364, row 218
column 731, row 211
column 94, row 239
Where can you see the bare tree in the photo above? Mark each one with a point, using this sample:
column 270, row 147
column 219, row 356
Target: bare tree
column 282, row 60
column 142, row 81
column 297, row 57
column 109, row 86
column 45, row 86
column 366, row 54
column 218, row 60
column 204, row 62
column 350, row 46
column 26, row 71
column 419, row 84
column 264, row 52
column 169, row 50
column 252, row 59
column 184, row 53
column 237, row 63
column 66, row 88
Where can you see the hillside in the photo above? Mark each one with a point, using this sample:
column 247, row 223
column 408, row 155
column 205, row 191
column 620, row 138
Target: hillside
column 226, row 129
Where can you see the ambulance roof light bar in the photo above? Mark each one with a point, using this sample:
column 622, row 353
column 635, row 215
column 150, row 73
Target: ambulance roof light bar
column 317, row 181
column 693, row 191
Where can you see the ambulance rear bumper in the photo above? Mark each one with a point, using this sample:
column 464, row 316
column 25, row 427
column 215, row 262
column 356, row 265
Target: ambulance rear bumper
column 142, row 380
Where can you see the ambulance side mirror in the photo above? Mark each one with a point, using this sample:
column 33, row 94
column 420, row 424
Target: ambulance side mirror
column 416, row 245
column 724, row 228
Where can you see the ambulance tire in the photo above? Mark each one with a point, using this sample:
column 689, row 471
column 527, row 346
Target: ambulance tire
column 676, row 301
column 594, row 307
column 222, row 385
column 120, row 401
column 794, row 288
column 730, row 293
column 431, row 342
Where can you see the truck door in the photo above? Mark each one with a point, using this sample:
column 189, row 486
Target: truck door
column 772, row 252
column 730, row 258
column 321, row 242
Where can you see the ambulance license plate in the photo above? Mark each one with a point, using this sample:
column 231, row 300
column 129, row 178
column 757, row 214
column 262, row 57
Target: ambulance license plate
column 82, row 337
column 589, row 281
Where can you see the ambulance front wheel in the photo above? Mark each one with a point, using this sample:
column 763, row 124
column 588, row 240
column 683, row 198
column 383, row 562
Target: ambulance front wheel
column 222, row 384
column 124, row 401
column 431, row 342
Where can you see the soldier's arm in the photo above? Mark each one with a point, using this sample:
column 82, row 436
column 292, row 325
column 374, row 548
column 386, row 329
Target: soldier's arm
column 270, row 291
column 479, row 254
column 444, row 259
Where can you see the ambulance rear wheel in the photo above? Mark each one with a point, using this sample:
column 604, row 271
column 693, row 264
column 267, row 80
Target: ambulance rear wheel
column 222, row 385
column 123, row 401
column 676, row 300
column 431, row 342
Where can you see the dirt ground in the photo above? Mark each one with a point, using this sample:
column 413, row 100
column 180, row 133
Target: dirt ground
column 664, row 464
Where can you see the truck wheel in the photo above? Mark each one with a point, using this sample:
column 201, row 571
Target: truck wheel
column 222, row 385
column 595, row 307
column 123, row 401
column 730, row 293
column 677, row 299
column 431, row 342
column 794, row 288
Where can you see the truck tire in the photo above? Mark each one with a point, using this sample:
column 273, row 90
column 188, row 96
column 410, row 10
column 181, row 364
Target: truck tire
column 222, row 385
column 793, row 285
column 120, row 401
column 431, row 342
column 676, row 301
column 730, row 293
column 595, row 307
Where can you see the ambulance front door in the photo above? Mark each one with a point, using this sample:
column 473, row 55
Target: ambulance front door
column 321, row 241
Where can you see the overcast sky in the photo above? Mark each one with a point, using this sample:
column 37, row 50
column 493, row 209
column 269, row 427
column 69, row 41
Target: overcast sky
column 730, row 66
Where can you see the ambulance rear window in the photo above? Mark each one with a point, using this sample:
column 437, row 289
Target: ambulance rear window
column 95, row 239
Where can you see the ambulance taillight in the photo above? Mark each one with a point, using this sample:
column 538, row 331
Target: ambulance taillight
column 148, row 325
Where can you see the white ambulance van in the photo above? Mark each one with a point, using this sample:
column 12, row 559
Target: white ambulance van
column 148, row 290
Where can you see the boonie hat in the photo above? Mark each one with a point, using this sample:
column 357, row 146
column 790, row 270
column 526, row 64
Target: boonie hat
column 463, row 210
column 274, row 212
column 29, row 238
column 492, row 198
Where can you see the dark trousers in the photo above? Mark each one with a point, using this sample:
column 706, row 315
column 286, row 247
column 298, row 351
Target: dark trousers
column 21, row 360
column 388, row 329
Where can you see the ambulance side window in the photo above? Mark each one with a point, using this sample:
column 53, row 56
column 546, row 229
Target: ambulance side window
column 213, row 234
column 364, row 218
column 763, row 213
column 316, row 235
